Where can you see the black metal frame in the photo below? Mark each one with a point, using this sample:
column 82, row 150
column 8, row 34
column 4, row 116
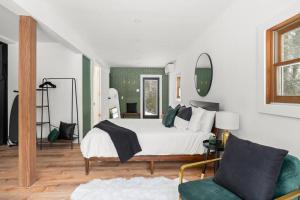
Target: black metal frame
column 42, row 106
column 212, row 72
column 4, row 95
column 74, row 90
column 158, row 97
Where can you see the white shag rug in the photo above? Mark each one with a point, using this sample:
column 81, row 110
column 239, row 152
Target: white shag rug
column 139, row 188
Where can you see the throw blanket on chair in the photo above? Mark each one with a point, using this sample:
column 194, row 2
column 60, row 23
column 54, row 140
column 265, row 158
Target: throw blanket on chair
column 125, row 140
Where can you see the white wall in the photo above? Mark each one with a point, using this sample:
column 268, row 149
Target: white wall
column 55, row 61
column 53, row 24
column 172, row 89
column 173, row 101
column 104, row 92
column 232, row 43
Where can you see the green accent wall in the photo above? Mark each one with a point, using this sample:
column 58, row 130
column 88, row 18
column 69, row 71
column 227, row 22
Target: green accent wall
column 203, row 80
column 127, row 81
column 86, row 95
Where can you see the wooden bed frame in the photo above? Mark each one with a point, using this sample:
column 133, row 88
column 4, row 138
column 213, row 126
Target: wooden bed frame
column 159, row 158
column 151, row 159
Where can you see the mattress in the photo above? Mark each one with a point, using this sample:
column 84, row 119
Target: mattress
column 154, row 138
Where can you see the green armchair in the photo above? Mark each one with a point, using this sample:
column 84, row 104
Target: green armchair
column 288, row 184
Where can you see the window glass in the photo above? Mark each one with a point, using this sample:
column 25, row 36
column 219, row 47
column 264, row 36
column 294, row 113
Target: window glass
column 288, row 80
column 290, row 46
column 151, row 97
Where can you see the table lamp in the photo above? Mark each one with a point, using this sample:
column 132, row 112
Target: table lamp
column 227, row 121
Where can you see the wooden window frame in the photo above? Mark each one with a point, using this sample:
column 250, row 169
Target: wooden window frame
column 272, row 64
column 178, row 87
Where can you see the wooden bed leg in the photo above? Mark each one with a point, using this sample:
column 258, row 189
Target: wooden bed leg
column 202, row 176
column 87, row 166
column 152, row 167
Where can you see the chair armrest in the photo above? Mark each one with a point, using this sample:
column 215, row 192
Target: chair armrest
column 192, row 165
column 290, row 196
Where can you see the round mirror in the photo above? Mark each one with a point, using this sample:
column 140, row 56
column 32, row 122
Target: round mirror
column 203, row 74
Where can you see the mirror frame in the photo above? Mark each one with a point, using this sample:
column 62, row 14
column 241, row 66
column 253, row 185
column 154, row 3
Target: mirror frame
column 212, row 73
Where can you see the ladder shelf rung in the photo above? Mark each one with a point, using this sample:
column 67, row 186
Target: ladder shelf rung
column 44, row 106
column 41, row 123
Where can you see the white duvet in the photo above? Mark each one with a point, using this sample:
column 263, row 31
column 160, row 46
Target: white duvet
column 154, row 138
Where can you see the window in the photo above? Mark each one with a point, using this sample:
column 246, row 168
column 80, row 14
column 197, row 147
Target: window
column 178, row 88
column 283, row 62
column 151, row 97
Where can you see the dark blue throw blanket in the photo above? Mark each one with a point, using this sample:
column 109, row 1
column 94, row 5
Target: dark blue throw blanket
column 125, row 140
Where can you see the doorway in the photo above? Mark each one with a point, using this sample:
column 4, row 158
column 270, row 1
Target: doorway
column 151, row 96
column 3, row 94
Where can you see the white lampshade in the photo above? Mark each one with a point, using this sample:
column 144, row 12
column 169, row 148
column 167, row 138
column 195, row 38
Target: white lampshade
column 227, row 120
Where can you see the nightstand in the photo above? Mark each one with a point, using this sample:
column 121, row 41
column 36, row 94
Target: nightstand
column 212, row 148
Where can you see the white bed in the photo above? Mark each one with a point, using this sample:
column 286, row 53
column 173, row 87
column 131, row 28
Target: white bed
column 158, row 143
column 154, row 138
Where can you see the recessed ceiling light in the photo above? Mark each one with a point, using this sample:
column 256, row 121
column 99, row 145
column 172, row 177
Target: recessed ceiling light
column 137, row 20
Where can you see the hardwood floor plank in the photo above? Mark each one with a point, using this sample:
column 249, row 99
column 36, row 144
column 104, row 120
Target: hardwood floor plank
column 60, row 170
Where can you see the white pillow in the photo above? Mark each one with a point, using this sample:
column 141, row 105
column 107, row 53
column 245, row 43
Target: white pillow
column 195, row 122
column 207, row 121
column 181, row 123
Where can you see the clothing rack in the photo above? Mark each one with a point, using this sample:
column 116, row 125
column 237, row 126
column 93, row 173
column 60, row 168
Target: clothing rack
column 74, row 91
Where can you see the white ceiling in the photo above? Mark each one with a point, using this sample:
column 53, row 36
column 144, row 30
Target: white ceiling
column 138, row 32
column 9, row 28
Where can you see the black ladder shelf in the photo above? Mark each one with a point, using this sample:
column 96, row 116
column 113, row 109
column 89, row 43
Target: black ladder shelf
column 42, row 107
column 47, row 107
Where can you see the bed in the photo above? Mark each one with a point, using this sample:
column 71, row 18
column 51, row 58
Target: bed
column 158, row 142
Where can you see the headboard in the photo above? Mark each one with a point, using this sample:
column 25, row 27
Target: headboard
column 205, row 105
column 211, row 106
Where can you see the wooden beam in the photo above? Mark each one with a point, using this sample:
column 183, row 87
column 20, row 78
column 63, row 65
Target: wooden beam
column 27, row 101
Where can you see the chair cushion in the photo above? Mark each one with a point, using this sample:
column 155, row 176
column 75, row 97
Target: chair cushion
column 204, row 190
column 289, row 178
column 250, row 170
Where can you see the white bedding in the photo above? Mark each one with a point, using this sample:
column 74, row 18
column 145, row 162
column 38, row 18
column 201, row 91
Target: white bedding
column 154, row 138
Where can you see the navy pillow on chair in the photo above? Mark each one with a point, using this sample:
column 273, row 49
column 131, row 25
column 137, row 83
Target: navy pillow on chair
column 250, row 170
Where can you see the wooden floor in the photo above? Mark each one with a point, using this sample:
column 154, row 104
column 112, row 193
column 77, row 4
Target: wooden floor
column 60, row 170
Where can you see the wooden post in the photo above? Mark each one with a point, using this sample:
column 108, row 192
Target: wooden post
column 27, row 101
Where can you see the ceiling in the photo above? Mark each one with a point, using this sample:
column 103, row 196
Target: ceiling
column 135, row 33
column 9, row 28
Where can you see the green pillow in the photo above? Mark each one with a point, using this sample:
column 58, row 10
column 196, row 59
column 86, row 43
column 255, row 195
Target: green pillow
column 169, row 117
column 53, row 135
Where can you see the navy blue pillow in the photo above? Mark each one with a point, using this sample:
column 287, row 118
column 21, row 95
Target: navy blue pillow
column 66, row 130
column 250, row 170
column 185, row 113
